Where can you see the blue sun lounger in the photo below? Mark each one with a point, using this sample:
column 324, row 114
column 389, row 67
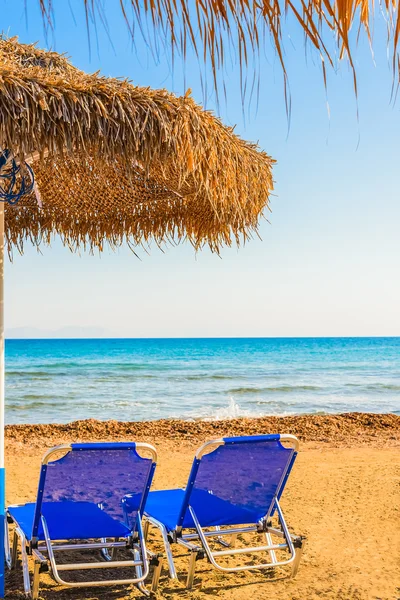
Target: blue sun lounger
column 80, row 507
column 234, row 488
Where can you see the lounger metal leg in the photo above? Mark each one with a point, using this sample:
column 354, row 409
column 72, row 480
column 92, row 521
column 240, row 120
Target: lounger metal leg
column 212, row 555
column 296, row 563
column 228, row 544
column 7, row 553
column 167, row 545
column 107, row 555
column 157, row 574
column 14, row 551
column 25, row 565
column 146, row 529
column 220, row 539
column 168, row 551
column 36, row 580
column 56, row 569
column 191, row 570
column 232, row 541
column 272, row 553
column 140, row 554
column 10, row 554
column 139, row 573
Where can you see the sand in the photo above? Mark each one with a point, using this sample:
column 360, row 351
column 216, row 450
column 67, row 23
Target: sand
column 343, row 494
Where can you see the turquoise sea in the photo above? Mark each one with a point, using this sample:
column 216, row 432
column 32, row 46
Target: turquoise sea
column 57, row 381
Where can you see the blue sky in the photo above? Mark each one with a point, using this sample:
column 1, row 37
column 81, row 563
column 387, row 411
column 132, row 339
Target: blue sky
column 329, row 260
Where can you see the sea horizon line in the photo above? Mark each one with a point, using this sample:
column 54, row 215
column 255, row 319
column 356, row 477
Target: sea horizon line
column 233, row 337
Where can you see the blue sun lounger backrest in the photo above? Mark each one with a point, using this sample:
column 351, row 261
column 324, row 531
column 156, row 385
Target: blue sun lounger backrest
column 237, row 482
column 98, row 473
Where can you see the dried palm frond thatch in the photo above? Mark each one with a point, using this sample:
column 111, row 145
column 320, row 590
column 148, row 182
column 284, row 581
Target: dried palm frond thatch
column 216, row 28
column 118, row 163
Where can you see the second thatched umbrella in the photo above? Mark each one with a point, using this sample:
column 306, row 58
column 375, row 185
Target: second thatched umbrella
column 100, row 161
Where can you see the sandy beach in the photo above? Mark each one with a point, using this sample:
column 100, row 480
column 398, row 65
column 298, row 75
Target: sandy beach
column 343, row 495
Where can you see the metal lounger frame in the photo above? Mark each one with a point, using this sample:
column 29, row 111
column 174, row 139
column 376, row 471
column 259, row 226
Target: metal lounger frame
column 44, row 552
column 293, row 544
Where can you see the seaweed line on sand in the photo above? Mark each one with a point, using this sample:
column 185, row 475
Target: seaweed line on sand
column 346, row 429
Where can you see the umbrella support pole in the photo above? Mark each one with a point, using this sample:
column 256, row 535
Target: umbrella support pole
column 2, row 473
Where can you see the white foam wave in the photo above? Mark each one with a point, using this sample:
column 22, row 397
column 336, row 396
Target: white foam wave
column 223, row 413
column 232, row 411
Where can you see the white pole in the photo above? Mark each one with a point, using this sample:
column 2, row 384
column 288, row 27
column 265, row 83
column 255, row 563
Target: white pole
column 2, row 476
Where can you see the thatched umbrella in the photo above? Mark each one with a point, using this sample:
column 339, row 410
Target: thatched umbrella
column 98, row 160
column 218, row 29
column 115, row 162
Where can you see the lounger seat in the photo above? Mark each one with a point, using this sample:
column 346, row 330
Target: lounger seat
column 81, row 509
column 234, row 487
column 69, row 521
column 165, row 506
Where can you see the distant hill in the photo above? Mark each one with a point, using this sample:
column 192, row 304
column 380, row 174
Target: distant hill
column 64, row 332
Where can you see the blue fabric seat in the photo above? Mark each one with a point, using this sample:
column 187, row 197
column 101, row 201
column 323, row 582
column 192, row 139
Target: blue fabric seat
column 234, row 481
column 234, row 484
column 80, row 498
column 69, row 521
column 166, row 506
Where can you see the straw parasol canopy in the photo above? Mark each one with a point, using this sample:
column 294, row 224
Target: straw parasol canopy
column 218, row 29
column 116, row 163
